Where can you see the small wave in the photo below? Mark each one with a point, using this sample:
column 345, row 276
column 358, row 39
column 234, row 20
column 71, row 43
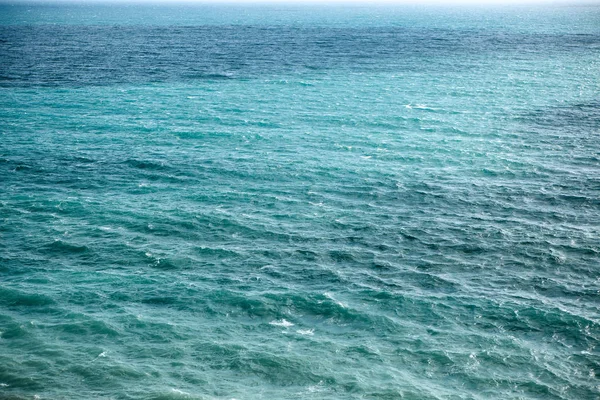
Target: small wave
column 330, row 296
column 213, row 76
column 179, row 391
column 15, row 298
column 423, row 107
column 306, row 331
column 282, row 322
column 145, row 164
column 59, row 246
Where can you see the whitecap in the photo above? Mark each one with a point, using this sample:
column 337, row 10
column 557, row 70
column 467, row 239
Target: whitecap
column 316, row 388
column 305, row 331
column 330, row 297
column 282, row 322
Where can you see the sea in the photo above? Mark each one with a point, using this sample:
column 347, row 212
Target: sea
column 286, row 201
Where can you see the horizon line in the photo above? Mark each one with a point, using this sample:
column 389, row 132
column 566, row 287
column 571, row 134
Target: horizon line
column 475, row 3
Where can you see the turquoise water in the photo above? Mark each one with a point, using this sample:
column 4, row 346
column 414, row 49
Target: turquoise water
column 294, row 202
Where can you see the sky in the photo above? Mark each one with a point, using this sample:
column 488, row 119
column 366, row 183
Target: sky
column 365, row 2
column 326, row 2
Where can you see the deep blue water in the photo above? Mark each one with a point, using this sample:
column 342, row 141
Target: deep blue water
column 299, row 202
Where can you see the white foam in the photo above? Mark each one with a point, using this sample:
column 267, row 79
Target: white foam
column 282, row 322
column 306, row 331
column 316, row 388
column 330, row 296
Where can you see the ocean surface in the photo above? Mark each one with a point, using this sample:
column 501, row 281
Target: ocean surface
column 299, row 202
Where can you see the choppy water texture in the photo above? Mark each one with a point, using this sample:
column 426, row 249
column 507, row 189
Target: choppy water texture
column 299, row 203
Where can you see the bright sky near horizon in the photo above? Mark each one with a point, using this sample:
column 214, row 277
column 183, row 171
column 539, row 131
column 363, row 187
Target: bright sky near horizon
column 324, row 2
